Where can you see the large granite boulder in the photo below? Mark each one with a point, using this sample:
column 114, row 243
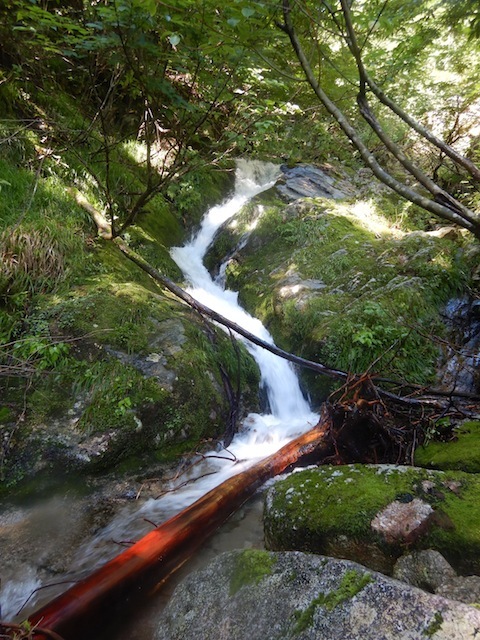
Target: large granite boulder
column 257, row 595
column 374, row 513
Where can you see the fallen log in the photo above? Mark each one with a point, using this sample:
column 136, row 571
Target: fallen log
column 90, row 604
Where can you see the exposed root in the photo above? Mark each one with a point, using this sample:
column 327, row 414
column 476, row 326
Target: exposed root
column 368, row 428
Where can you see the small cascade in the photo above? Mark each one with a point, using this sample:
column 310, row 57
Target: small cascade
column 258, row 436
column 284, row 394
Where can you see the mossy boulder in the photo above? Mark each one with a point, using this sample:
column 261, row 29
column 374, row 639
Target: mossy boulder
column 373, row 513
column 460, row 452
column 298, row 596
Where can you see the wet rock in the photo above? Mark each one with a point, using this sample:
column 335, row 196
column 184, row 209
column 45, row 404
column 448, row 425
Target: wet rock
column 293, row 286
column 461, row 362
column 166, row 342
column 372, row 513
column 307, row 181
column 274, row 596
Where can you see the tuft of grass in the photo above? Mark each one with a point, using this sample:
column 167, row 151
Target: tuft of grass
column 30, row 261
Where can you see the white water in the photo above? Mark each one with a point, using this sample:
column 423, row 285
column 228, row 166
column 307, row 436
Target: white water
column 259, row 435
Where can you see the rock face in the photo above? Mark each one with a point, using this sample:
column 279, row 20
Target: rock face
column 460, row 370
column 430, row 571
column 306, row 181
column 257, row 595
column 372, row 514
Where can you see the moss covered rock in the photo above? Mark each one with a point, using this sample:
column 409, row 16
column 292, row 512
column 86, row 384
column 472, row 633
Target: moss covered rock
column 462, row 452
column 297, row 596
column 372, row 514
column 144, row 381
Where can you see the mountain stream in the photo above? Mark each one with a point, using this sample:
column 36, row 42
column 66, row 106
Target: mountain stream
column 258, row 436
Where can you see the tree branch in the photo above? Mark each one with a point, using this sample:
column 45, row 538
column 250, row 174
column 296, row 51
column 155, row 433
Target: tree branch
column 336, row 374
column 440, row 210
column 439, row 194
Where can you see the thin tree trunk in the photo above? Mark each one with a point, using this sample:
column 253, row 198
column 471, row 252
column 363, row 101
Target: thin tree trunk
column 369, row 159
column 365, row 79
column 84, row 608
column 203, row 310
column 460, row 160
column 439, row 194
column 318, row 367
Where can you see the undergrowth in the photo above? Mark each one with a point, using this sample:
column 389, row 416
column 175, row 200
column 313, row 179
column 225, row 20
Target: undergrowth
column 373, row 293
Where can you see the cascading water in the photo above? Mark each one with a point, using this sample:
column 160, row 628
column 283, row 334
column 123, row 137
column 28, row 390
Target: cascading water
column 290, row 415
column 284, row 394
column 259, row 435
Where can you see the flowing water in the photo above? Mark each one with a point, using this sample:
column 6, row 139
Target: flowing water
column 258, row 436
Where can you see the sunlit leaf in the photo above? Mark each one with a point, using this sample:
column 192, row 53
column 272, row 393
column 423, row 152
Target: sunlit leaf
column 248, row 12
column 174, row 39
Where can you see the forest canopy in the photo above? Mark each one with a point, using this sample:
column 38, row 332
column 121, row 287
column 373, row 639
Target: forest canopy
column 175, row 87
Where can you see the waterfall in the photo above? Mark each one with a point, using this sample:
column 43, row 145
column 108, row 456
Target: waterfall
column 284, row 394
column 258, row 436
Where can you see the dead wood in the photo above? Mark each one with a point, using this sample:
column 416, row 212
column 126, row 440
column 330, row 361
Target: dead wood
column 100, row 596
column 358, row 427
column 103, row 226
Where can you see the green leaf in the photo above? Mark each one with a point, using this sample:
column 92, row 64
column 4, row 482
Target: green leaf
column 248, row 12
column 174, row 39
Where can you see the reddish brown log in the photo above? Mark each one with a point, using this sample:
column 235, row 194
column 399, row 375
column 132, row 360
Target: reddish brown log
column 90, row 604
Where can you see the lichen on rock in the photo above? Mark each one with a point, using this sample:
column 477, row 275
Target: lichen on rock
column 308, row 597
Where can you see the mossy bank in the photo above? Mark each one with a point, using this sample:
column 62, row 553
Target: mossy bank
column 103, row 370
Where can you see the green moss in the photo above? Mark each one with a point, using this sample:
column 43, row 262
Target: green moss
column 5, row 415
column 352, row 582
column 313, row 509
column 434, row 626
column 250, row 567
column 379, row 297
column 462, row 453
column 119, row 314
column 325, row 501
column 106, row 308
column 160, row 224
column 198, row 190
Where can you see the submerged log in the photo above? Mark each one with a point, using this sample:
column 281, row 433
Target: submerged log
column 92, row 603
